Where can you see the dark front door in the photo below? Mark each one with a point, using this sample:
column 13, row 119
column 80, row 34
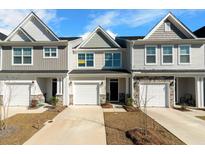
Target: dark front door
column 114, row 90
column 54, row 87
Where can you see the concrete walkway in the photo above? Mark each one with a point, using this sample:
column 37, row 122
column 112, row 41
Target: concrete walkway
column 75, row 125
column 184, row 125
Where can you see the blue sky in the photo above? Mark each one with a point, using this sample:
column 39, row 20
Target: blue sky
column 118, row 22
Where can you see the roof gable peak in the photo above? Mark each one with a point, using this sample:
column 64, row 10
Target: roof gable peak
column 99, row 29
column 30, row 16
column 171, row 16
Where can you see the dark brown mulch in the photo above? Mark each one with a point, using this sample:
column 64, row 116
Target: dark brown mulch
column 25, row 126
column 118, row 123
column 201, row 117
column 182, row 109
column 106, row 105
column 130, row 108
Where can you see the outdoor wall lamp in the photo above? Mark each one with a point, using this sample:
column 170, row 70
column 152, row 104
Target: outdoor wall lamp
column 70, row 83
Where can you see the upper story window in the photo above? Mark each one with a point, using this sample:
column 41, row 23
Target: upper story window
column 151, row 55
column 167, row 26
column 50, row 52
column 167, row 54
column 185, row 54
column 22, row 56
column 85, row 59
column 113, row 59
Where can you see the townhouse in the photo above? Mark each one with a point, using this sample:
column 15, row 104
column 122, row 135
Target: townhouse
column 164, row 67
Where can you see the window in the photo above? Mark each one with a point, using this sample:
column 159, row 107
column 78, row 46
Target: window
column 22, row 56
column 50, row 52
column 85, row 60
column 112, row 59
column 184, row 54
column 167, row 54
column 151, row 55
column 167, row 26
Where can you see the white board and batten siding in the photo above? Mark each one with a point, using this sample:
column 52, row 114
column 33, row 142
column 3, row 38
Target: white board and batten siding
column 155, row 94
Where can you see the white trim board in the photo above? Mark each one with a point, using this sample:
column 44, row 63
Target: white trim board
column 162, row 21
column 32, row 14
column 92, row 33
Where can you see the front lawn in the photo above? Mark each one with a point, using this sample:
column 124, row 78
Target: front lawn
column 119, row 123
column 21, row 127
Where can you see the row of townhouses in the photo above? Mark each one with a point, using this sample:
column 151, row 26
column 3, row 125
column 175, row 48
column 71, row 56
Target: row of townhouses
column 166, row 66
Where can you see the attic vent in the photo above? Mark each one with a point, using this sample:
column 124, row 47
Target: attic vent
column 167, row 26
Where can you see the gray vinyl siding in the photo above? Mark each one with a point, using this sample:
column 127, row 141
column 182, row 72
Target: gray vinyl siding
column 35, row 30
column 160, row 33
column 197, row 58
column 99, row 60
column 39, row 63
column 99, row 41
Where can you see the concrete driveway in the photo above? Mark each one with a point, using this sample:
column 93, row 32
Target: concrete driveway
column 184, row 125
column 75, row 125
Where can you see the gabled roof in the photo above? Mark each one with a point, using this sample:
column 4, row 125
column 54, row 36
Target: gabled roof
column 2, row 36
column 200, row 33
column 171, row 16
column 26, row 19
column 99, row 28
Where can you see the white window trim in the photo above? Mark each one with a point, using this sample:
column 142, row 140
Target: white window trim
column 156, row 55
column 179, row 61
column 162, row 53
column 22, row 59
column 113, row 61
column 167, row 25
column 84, row 67
column 50, row 52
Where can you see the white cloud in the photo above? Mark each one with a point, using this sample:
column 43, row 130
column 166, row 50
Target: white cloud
column 9, row 19
column 104, row 20
column 130, row 18
column 113, row 35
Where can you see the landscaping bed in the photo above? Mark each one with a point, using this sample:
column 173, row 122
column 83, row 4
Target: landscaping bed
column 106, row 105
column 125, row 128
column 21, row 127
column 201, row 117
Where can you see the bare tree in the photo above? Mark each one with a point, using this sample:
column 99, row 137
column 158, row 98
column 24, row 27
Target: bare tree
column 4, row 106
column 144, row 100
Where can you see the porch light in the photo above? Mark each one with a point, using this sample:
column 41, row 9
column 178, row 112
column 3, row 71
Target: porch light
column 101, row 83
column 70, row 83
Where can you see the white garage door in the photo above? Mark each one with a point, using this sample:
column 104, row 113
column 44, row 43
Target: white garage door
column 86, row 93
column 18, row 94
column 156, row 94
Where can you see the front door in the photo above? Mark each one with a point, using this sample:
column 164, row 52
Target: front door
column 114, row 90
column 54, row 87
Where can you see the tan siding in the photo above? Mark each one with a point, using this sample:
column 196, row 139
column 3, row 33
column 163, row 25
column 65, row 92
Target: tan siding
column 39, row 63
column 175, row 33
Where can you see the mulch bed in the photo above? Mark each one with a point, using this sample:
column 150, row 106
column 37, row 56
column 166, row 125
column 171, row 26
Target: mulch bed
column 125, row 128
column 21, row 127
column 201, row 117
column 106, row 105
column 130, row 108
column 182, row 109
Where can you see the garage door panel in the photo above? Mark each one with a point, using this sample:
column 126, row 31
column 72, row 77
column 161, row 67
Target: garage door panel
column 86, row 93
column 18, row 94
column 155, row 94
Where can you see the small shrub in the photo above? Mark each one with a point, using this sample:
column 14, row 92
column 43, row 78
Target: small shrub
column 129, row 101
column 54, row 101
